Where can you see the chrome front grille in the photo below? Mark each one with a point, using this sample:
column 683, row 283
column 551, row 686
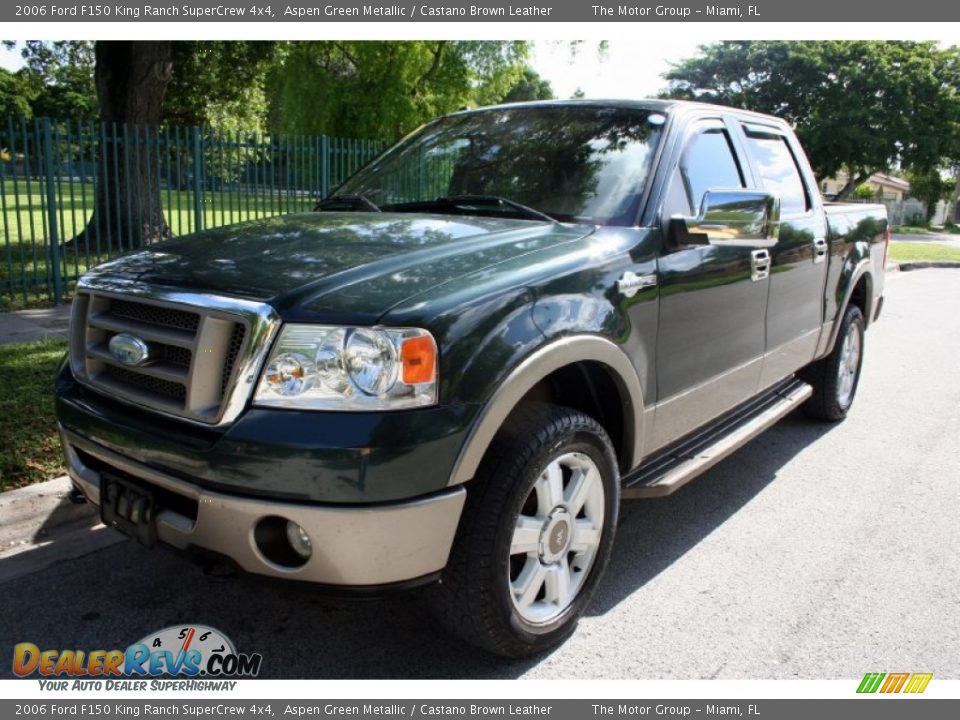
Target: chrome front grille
column 203, row 353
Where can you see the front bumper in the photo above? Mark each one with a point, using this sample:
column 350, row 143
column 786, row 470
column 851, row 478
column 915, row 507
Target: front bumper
column 360, row 545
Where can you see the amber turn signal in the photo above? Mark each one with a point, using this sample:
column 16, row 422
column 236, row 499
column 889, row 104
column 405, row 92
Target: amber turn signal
column 419, row 356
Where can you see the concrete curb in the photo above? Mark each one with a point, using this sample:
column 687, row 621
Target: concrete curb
column 42, row 526
column 922, row 265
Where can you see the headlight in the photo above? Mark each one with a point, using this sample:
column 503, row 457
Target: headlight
column 336, row 368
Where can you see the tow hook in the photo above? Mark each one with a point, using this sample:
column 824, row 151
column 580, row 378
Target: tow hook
column 76, row 496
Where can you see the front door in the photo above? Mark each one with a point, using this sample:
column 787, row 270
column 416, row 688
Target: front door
column 711, row 331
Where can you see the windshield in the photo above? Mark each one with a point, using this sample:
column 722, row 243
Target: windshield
column 575, row 163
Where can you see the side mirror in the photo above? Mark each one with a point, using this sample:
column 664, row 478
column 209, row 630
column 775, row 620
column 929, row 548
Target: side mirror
column 734, row 218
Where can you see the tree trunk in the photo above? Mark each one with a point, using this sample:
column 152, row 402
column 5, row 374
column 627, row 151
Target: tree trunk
column 852, row 184
column 131, row 79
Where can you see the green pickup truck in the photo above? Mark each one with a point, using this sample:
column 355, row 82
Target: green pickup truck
column 453, row 371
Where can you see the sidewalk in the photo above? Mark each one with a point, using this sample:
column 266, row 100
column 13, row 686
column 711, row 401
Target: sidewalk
column 41, row 526
column 37, row 324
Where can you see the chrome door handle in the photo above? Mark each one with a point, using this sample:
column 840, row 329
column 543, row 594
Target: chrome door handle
column 759, row 265
column 819, row 250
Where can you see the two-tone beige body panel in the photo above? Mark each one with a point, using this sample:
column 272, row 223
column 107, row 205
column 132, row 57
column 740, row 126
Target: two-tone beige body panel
column 552, row 357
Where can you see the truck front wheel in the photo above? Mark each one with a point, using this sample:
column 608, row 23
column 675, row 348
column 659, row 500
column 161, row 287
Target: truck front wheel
column 535, row 535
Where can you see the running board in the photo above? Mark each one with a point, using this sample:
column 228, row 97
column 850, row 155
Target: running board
column 674, row 469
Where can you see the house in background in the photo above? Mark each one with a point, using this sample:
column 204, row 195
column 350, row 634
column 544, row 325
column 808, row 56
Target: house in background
column 894, row 192
column 885, row 187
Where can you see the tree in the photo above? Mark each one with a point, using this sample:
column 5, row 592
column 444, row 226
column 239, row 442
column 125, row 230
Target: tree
column 382, row 90
column 219, row 83
column 137, row 87
column 59, row 79
column 930, row 187
column 863, row 106
column 141, row 85
column 61, row 74
column 15, row 96
column 529, row 87
column 211, row 82
column 131, row 80
column 864, row 192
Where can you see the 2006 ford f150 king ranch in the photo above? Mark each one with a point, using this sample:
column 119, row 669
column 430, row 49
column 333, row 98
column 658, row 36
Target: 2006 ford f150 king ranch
column 455, row 368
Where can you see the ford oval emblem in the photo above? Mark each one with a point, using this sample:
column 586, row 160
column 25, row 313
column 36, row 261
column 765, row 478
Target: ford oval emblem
column 129, row 350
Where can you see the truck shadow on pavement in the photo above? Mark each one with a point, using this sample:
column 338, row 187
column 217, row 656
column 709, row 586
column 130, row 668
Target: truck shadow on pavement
column 653, row 534
column 117, row 595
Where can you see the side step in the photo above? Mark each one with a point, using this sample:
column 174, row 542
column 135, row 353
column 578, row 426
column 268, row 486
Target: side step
column 675, row 468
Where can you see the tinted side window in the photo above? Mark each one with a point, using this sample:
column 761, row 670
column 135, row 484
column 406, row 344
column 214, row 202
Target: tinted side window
column 778, row 171
column 708, row 163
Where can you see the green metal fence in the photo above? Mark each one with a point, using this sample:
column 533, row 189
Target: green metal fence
column 74, row 196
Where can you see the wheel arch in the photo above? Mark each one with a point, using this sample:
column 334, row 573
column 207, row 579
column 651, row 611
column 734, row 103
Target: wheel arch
column 858, row 289
column 586, row 354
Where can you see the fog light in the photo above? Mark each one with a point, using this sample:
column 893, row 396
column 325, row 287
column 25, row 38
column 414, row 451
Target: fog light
column 299, row 540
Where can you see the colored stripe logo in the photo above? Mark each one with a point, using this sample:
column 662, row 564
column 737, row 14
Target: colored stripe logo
column 894, row 682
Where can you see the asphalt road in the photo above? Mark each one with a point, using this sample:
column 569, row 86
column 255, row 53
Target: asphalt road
column 814, row 552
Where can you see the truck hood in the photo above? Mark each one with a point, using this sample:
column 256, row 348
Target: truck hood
column 322, row 266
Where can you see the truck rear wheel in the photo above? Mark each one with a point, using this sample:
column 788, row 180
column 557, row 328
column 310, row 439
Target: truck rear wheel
column 835, row 377
column 535, row 535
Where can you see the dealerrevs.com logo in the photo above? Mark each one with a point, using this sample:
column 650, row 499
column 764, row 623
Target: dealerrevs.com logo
column 191, row 651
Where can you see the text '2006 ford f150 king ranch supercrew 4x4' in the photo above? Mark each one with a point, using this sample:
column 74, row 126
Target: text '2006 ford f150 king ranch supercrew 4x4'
column 456, row 367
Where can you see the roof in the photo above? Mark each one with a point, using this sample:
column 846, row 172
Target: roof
column 654, row 104
column 890, row 181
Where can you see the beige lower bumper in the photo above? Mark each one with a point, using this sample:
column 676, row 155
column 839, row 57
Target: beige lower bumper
column 352, row 546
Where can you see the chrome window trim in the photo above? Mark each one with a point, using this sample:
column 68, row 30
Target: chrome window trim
column 263, row 324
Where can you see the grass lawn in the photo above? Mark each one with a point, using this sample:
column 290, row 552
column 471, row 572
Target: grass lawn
column 913, row 230
column 923, row 252
column 22, row 210
column 910, row 230
column 29, row 445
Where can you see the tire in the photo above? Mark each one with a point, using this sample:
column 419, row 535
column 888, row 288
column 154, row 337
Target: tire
column 835, row 378
column 535, row 534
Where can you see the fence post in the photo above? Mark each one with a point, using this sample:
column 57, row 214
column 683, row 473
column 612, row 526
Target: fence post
column 325, row 166
column 54, row 235
column 197, row 179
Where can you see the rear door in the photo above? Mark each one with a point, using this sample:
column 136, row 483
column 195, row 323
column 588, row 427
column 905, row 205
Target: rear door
column 799, row 258
column 711, row 332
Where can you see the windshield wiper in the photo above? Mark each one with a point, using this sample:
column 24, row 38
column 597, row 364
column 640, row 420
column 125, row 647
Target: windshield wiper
column 495, row 201
column 346, row 202
column 460, row 202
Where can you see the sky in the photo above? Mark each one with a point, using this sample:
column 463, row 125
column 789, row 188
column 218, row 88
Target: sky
column 9, row 59
column 628, row 69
